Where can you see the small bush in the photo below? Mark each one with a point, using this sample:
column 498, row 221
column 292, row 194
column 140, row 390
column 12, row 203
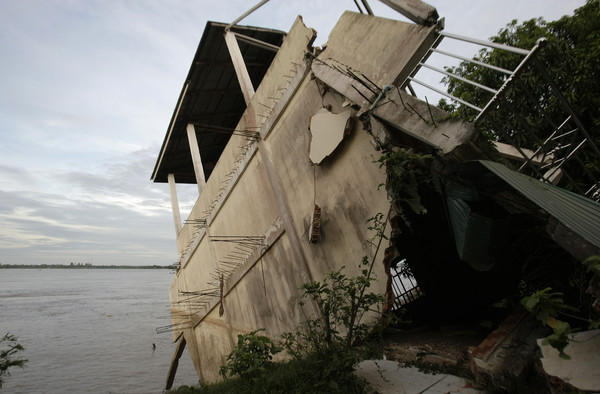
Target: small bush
column 251, row 356
column 332, row 341
column 9, row 348
column 296, row 376
column 342, row 304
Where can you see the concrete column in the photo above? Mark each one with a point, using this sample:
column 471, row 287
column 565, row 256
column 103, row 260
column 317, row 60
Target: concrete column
column 195, row 151
column 175, row 204
column 240, row 67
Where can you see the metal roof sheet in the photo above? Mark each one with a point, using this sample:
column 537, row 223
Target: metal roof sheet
column 580, row 214
column 212, row 100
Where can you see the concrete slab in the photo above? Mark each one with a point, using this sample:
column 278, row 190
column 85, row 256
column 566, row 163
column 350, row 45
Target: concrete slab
column 386, row 376
column 581, row 370
column 505, row 355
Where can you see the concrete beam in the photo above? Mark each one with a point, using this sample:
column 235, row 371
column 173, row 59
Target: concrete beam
column 175, row 204
column 388, row 60
column 196, row 159
column 416, row 10
column 240, row 67
column 574, row 244
column 424, row 122
column 511, row 152
column 245, row 14
column 415, row 118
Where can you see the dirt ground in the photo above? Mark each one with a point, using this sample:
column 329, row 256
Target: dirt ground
column 437, row 348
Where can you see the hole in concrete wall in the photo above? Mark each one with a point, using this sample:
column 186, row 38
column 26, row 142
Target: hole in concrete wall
column 315, row 225
column 327, row 132
column 404, row 284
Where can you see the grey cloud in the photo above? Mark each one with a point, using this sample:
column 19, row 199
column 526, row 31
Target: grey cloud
column 46, row 228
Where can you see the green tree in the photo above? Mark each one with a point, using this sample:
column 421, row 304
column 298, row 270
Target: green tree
column 9, row 347
column 530, row 110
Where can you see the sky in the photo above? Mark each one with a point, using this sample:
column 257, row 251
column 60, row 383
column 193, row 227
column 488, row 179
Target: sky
column 87, row 90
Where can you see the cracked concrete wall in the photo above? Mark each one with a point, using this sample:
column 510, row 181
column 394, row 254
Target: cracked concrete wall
column 269, row 187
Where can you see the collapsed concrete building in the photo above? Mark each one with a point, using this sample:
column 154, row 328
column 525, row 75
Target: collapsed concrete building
column 283, row 141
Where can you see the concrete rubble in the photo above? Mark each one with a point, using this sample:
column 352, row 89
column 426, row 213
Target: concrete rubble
column 386, row 376
column 581, row 371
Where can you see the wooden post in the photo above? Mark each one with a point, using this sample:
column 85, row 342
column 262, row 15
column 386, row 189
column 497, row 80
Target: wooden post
column 240, row 66
column 195, row 151
column 175, row 204
column 175, row 362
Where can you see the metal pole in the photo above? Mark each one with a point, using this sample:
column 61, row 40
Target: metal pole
column 520, row 51
column 520, row 67
column 367, row 7
column 235, row 22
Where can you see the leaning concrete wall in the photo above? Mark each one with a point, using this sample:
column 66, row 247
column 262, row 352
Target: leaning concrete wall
column 267, row 188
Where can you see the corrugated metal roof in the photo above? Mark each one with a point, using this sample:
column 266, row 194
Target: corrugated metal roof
column 212, row 100
column 580, row 214
column 480, row 234
column 459, row 213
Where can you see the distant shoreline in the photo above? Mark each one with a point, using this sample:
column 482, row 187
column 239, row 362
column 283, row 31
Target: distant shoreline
column 82, row 266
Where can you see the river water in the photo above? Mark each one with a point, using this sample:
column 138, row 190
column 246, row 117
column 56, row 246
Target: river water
column 90, row 330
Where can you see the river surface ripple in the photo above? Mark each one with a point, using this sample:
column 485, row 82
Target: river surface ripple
column 90, row 330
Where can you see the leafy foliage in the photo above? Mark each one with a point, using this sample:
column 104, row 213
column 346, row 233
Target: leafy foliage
column 545, row 305
column 331, row 339
column 296, row 376
column 251, row 357
column 10, row 348
column 405, row 171
column 377, row 224
column 571, row 56
column 342, row 303
column 592, row 264
column 530, row 109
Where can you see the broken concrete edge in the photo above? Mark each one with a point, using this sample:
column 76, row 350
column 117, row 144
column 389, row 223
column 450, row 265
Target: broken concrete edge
column 402, row 46
column 486, row 348
column 327, row 130
column 416, row 10
column 386, row 376
column 581, row 370
column 509, row 354
column 435, row 128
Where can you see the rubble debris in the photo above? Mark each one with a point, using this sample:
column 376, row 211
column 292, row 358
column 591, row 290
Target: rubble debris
column 581, row 370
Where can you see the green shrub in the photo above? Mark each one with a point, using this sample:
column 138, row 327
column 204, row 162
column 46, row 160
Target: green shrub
column 295, row 376
column 547, row 306
column 332, row 339
column 251, row 356
column 10, row 347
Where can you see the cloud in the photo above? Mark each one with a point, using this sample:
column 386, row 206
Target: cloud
column 89, row 88
column 118, row 217
column 45, row 229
